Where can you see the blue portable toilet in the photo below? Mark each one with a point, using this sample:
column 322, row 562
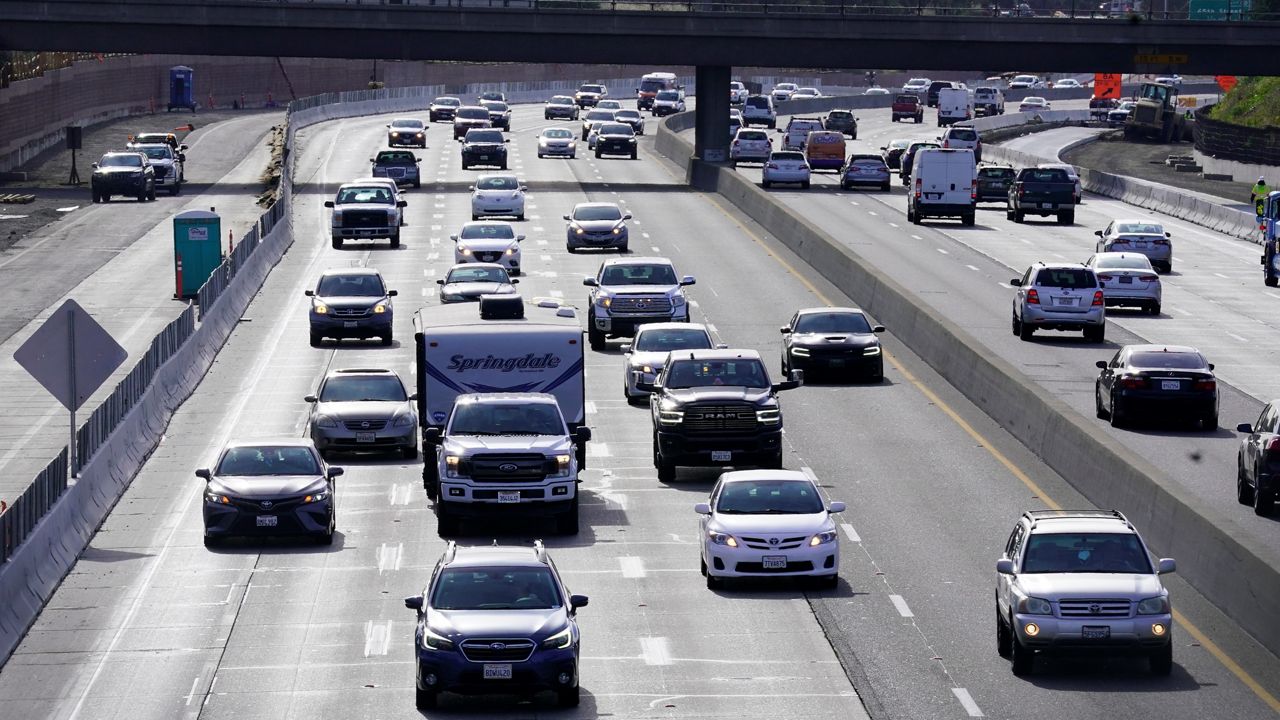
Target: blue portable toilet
column 181, row 91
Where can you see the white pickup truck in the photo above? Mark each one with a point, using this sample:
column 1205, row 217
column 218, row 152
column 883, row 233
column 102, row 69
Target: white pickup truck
column 366, row 210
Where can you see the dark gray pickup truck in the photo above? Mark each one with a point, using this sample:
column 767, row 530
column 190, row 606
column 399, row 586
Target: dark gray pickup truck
column 1043, row 192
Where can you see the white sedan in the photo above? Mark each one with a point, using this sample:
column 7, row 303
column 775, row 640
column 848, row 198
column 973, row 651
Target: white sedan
column 768, row 523
column 786, row 166
column 497, row 194
column 490, row 242
column 1067, row 84
column 1033, row 104
column 647, row 353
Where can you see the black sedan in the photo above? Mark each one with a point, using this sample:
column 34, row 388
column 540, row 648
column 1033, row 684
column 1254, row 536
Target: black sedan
column 272, row 487
column 616, row 139
column 994, row 182
column 123, row 173
column 1258, row 464
column 892, row 153
column 1169, row 381
column 466, row 282
column 832, row 339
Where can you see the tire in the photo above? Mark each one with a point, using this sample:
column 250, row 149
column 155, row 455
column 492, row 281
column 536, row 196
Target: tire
column 1263, row 502
column 598, row 155
column 212, row 542
column 474, row 217
column 1098, row 410
column 713, row 582
column 417, row 184
column 567, row 523
column 410, row 452
column 1154, row 308
column 446, row 523
column 1016, row 326
column 1026, row 331
column 774, row 463
column 1209, row 423
column 173, row 189
column 968, row 220
column 326, row 538
column 1161, row 661
column 1023, row 660
column 316, row 340
column 885, row 187
column 1244, row 492
column 395, row 240
column 141, row 197
column 916, row 218
column 151, row 194
column 1008, row 215
column 634, row 155
column 424, row 699
column 1019, row 216
column 765, row 184
column 1068, row 218
column 540, row 156
column 430, row 479
column 666, row 469
column 570, row 249
column 1271, row 281
column 503, row 166
column 1117, row 417
column 596, row 338
column 386, row 340
column 569, row 698
column 845, row 186
column 1168, row 267
column 1004, row 646
column 804, row 185
column 337, row 243
column 1095, row 335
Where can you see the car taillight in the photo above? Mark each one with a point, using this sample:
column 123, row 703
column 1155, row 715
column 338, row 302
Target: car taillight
column 772, row 166
column 1105, row 278
column 1161, row 241
column 1133, row 382
column 946, row 143
column 1021, row 190
column 1033, row 297
column 973, row 189
column 735, row 142
column 919, row 187
column 1204, row 385
column 1273, row 444
column 1148, row 278
column 1097, row 298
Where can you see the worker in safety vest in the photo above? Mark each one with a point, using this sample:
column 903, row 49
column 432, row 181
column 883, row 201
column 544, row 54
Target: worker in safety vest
column 1258, row 196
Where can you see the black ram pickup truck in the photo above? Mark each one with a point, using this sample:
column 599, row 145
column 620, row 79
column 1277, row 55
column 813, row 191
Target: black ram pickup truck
column 1043, row 192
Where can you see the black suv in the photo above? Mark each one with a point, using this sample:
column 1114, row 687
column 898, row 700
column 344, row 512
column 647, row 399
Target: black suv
column 443, row 108
column 484, row 147
column 123, row 173
column 842, row 121
column 713, row 408
column 351, row 303
column 616, row 139
column 931, row 97
column 496, row 620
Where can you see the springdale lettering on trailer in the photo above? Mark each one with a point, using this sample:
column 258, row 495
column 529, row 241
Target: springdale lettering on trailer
column 529, row 361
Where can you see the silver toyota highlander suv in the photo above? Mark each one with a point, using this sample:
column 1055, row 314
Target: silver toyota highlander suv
column 1059, row 296
column 1081, row 581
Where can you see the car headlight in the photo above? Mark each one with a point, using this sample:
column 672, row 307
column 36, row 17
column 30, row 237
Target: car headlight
column 217, row 499
column 325, row 421
column 670, row 417
column 720, row 538
column 800, row 352
column 677, row 300
column 560, row 640
column 871, row 351
column 769, row 416
column 395, row 134
column 451, row 297
column 1154, row 606
column 464, row 250
column 647, row 369
column 822, row 538
column 617, row 231
column 316, row 497
column 1035, row 606
column 419, row 135
column 511, row 251
column 563, row 463
column 405, row 420
column 435, row 641
column 603, row 301
column 451, row 463
column 578, row 230
column 380, row 308
column 320, row 309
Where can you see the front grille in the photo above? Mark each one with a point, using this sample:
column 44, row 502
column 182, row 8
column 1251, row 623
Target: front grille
column 1145, row 114
column 488, row 256
column 276, row 504
column 792, row 567
column 365, row 424
column 507, row 467
column 836, row 351
column 529, row 494
column 364, row 218
column 1094, row 608
column 774, row 543
column 497, row 650
column 349, row 312
column 395, row 172
column 720, row 417
column 161, row 171
column 644, row 304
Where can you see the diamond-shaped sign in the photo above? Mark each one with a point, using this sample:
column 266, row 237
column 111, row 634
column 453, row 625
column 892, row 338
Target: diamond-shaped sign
column 71, row 355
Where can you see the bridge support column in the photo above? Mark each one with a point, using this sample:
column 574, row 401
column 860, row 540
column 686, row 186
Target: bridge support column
column 711, row 132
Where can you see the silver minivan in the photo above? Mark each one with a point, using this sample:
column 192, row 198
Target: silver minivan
column 1059, row 296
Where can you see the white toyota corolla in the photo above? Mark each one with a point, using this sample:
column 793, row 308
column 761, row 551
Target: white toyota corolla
column 768, row 523
column 488, row 241
column 497, row 194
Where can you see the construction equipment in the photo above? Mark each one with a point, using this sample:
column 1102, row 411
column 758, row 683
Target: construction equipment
column 1157, row 114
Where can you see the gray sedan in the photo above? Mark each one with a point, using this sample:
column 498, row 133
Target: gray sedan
column 1138, row 236
column 364, row 410
column 466, row 282
column 1127, row 279
column 647, row 353
column 596, row 225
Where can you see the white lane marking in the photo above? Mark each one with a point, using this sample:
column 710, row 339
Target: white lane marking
column 916, row 237
column 432, row 257
column 389, row 557
column 1024, row 241
column 192, row 694
column 655, row 651
column 556, row 293
column 598, row 449
column 1184, row 312
column 893, row 224
column 632, row 567
column 809, row 473
column 692, row 303
column 901, row 606
column 590, row 407
column 653, row 247
column 972, row 267
column 944, row 252
column 853, row 202
column 1060, row 257
column 544, row 258
column 850, row 533
column 966, row 701
column 428, row 292
column 538, row 229
column 1241, row 339
column 645, row 235
column 541, row 241
column 400, row 494
column 1224, row 277
column 376, row 638
column 871, row 212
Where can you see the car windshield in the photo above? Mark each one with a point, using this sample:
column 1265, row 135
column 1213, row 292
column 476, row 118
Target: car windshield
column 145, row 138
column 366, row 194
column 964, row 134
column 407, row 123
column 785, row 86
column 996, row 173
column 706, row 373
column 1069, row 278
column 668, row 339
column 1033, row 101
column 515, row 418
column 268, row 460
column 600, row 115
column 1168, row 360
column 448, row 101
column 496, row 588
column 121, row 161
column 557, row 133
column 560, row 100
column 591, row 88
column 473, row 113
column 1085, row 553
column 769, row 497
column 156, row 152
column 668, row 95
column 488, row 231
column 1025, row 79
column 627, row 115
column 832, row 323
column 477, row 273
column 1127, row 105
column 617, row 129
column 398, row 157
column 628, row 274
column 597, row 212
column 355, row 388
column 1122, row 262
column 499, row 182
column 873, row 162
column 1140, row 229
column 984, row 91
column 794, row 156
column 484, row 136
column 496, row 106
column 350, row 286
column 900, row 144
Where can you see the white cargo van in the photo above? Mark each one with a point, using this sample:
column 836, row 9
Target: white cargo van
column 944, row 183
column 954, row 105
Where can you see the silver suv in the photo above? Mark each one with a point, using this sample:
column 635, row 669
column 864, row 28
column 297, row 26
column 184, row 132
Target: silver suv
column 1073, row 581
column 1059, row 296
column 629, row 292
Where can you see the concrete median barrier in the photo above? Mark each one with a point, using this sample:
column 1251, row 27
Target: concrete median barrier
column 1237, row 575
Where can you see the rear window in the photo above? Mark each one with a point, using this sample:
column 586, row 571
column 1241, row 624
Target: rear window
column 840, row 114
column 825, row 138
column 1048, row 175
column 787, row 156
column 996, row 173
column 395, row 158
column 1069, row 278
column 757, row 101
column 911, row 99
column 963, row 134
column 1140, row 229
column 1168, row 360
column 752, row 135
column 1117, row 261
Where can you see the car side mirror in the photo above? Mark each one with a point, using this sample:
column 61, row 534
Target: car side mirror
column 1245, row 428
column 387, row 125
column 371, row 160
column 626, row 349
column 1004, row 566
column 514, row 281
column 309, row 293
column 204, row 474
column 877, row 329
column 836, row 507
column 414, row 603
column 335, row 472
column 582, row 434
column 519, row 238
column 417, row 160
column 182, row 157
column 648, row 387
column 566, row 217
column 627, row 216
column 784, row 329
column 1101, row 364
column 440, row 281
column 524, row 188
column 786, row 385
column 1098, row 233
column 402, row 203
column 183, row 147
column 702, row 508
column 1166, row 566
column 1168, row 234
column 1210, row 366
column 1016, row 282
column 431, row 435
column 453, row 238
column 392, row 293
column 688, row 280
column 590, row 282
column 506, row 140
column 578, row 601
column 310, row 399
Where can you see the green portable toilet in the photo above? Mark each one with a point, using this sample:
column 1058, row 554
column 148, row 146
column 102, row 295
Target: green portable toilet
column 197, row 250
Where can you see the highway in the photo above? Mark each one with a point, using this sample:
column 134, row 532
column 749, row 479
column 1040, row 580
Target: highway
column 150, row 624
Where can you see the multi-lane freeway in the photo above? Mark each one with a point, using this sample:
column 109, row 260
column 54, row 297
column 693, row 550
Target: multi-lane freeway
column 151, row 624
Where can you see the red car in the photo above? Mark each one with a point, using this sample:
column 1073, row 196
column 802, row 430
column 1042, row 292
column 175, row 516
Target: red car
column 908, row 106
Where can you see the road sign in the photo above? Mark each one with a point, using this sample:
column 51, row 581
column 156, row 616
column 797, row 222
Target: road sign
column 1226, row 82
column 71, row 355
column 1106, row 85
column 1209, row 9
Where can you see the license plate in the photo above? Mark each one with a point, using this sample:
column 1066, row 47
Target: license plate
column 1126, row 279
column 497, row 672
column 484, row 157
column 508, row 496
column 349, row 323
column 721, row 456
column 267, row 520
column 774, row 562
column 1064, row 301
column 1170, row 384
column 1046, row 206
column 364, row 437
column 1095, row 632
column 837, row 362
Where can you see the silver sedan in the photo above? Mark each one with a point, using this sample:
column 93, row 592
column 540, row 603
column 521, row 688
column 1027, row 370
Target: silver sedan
column 1138, row 236
column 1127, row 280
column 647, row 353
column 363, row 410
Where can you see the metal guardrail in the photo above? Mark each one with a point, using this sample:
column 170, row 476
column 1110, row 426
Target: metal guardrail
column 107, row 416
column 19, row 519
column 20, row 65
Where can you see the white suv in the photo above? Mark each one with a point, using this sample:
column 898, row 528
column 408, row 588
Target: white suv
column 750, row 145
column 917, row 86
column 737, row 93
column 758, row 110
column 1059, row 296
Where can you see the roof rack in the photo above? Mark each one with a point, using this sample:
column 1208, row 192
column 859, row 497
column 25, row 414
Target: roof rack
column 1036, row 515
column 540, row 551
